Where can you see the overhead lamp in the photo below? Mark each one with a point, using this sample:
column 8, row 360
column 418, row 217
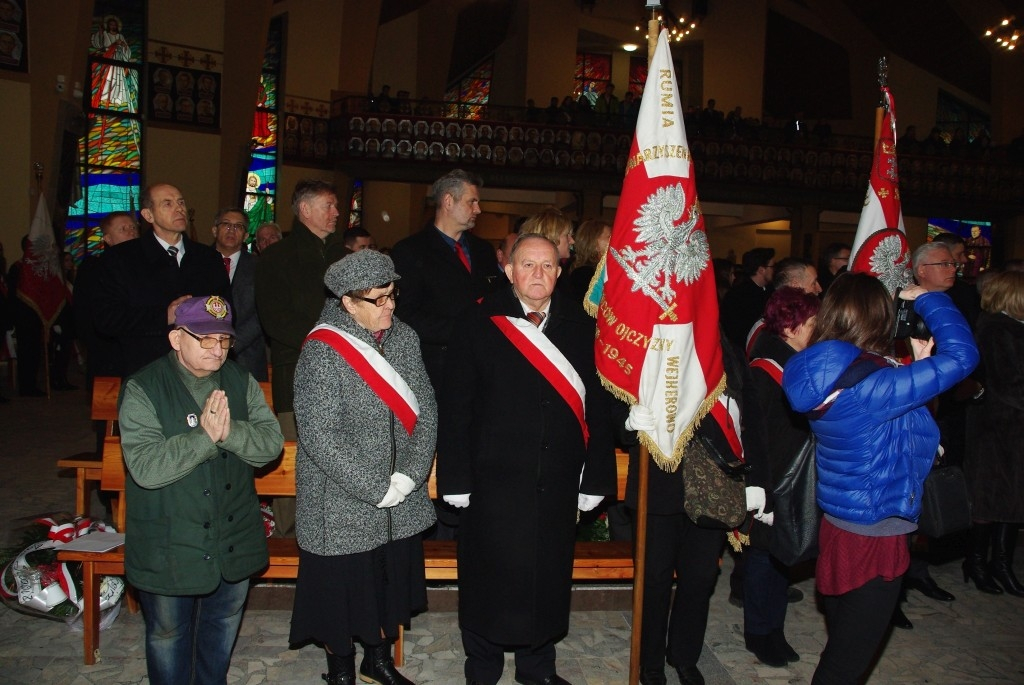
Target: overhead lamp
column 1006, row 34
column 629, row 47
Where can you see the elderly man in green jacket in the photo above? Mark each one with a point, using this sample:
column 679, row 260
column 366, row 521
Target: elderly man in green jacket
column 193, row 426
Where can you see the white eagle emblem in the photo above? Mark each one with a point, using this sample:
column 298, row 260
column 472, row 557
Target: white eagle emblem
column 667, row 251
column 890, row 264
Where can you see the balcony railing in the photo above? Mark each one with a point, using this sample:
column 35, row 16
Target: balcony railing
column 514, row 139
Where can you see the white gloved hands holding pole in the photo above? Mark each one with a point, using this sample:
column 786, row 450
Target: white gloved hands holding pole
column 588, row 502
column 641, row 418
column 756, row 499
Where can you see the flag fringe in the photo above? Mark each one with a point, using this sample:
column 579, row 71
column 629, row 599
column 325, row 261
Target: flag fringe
column 589, row 305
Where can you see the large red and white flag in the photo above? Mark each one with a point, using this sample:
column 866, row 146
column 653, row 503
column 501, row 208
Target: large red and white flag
column 880, row 246
column 41, row 282
column 658, row 342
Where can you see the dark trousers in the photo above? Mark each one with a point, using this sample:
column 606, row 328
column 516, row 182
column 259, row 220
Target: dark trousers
column 857, row 622
column 29, row 331
column 675, row 544
column 485, row 660
column 765, row 584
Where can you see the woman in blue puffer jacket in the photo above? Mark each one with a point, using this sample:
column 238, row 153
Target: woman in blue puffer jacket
column 876, row 444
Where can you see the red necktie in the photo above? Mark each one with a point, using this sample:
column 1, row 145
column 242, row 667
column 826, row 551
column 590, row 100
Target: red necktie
column 462, row 255
column 227, row 265
column 536, row 318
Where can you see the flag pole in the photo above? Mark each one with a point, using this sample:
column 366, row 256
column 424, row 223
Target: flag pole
column 42, row 324
column 883, row 81
column 640, row 538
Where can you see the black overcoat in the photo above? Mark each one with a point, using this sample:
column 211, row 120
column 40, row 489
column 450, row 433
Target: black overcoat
column 994, row 463
column 509, row 439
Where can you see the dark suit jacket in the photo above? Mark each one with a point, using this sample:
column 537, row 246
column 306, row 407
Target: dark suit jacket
column 101, row 350
column 137, row 283
column 508, row 438
column 436, row 292
column 250, row 349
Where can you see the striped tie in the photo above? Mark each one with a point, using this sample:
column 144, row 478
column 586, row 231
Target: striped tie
column 536, row 318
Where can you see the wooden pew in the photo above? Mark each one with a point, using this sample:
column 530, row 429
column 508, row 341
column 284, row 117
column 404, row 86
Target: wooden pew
column 105, row 391
column 592, row 560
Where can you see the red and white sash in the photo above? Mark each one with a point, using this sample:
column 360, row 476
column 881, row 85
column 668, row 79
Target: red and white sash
column 549, row 361
column 375, row 371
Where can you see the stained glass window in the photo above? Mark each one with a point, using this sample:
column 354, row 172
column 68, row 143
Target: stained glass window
column 468, row 97
column 261, row 179
column 637, row 74
column 355, row 208
column 593, row 73
column 110, row 154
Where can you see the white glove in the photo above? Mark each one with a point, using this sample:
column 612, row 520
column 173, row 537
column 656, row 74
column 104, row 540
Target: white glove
column 392, row 498
column 756, row 499
column 641, row 418
column 402, row 483
column 767, row 519
column 457, row 501
column 588, row 502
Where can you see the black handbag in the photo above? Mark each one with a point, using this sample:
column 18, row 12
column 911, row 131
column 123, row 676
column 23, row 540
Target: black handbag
column 794, row 536
column 945, row 504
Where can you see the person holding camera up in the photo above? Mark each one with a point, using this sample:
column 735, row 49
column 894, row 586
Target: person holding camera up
column 876, row 443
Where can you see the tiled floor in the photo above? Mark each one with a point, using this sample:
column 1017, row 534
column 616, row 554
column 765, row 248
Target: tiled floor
column 976, row 639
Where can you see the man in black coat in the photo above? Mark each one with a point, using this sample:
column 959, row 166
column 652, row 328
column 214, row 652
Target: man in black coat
column 445, row 269
column 744, row 304
column 101, row 350
column 514, row 454
column 230, row 226
column 143, row 281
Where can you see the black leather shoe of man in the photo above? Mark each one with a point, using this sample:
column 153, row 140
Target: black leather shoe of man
column 553, row 679
column 900, row 620
column 794, row 594
column 690, row 675
column 764, row 648
column 652, row 676
column 929, row 588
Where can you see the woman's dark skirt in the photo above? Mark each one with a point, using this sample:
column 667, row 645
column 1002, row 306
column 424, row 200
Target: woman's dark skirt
column 338, row 598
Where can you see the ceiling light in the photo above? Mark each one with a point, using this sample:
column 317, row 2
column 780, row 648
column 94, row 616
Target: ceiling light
column 629, row 47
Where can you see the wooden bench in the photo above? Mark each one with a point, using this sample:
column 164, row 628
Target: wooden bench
column 105, row 391
column 592, row 561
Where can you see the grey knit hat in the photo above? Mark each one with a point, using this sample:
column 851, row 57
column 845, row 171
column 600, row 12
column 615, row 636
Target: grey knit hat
column 360, row 271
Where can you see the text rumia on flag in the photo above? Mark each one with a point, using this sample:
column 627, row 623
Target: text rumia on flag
column 880, row 246
column 654, row 294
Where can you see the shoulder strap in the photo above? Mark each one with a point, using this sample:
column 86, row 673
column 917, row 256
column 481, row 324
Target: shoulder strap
column 769, row 366
column 863, row 366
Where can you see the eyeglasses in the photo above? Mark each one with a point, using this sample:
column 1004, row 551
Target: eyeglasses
column 234, row 227
column 377, row 301
column 944, row 265
column 208, row 343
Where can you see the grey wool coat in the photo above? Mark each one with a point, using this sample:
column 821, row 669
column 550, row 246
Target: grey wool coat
column 350, row 443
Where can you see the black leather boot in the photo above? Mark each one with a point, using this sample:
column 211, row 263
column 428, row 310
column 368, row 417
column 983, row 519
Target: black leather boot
column 976, row 563
column 341, row 670
column 1004, row 543
column 378, row 666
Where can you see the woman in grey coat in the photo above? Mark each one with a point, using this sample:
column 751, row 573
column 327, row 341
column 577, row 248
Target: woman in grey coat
column 367, row 424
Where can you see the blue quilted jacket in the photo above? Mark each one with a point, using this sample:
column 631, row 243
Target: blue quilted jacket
column 877, row 442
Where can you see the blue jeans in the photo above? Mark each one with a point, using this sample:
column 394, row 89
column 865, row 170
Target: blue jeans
column 189, row 638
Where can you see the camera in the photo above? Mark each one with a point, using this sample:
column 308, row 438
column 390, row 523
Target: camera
column 908, row 323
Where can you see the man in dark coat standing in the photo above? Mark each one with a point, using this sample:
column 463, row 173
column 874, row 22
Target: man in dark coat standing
column 445, row 269
column 143, row 281
column 520, row 478
column 230, row 226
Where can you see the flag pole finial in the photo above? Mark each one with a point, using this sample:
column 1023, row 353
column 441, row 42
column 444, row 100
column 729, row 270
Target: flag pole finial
column 38, row 168
column 883, row 72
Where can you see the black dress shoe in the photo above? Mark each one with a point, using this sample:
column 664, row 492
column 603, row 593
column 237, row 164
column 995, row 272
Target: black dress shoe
column 900, row 620
column 553, row 679
column 764, row 648
column 782, row 647
column 928, row 587
column 690, row 675
column 652, row 676
column 794, row 594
